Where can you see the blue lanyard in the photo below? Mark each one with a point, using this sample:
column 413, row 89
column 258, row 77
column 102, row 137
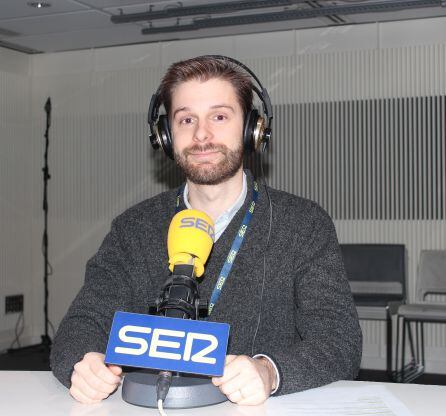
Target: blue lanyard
column 236, row 244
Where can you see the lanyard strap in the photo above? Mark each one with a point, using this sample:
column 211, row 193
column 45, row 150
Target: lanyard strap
column 236, row 244
column 178, row 198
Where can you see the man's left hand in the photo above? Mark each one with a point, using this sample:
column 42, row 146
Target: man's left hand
column 246, row 380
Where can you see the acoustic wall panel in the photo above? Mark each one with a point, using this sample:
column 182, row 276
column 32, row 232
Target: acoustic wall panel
column 15, row 207
column 373, row 159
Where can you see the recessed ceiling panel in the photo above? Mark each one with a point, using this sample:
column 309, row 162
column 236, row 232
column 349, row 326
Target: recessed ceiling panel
column 60, row 23
column 77, row 24
column 84, row 39
column 19, row 8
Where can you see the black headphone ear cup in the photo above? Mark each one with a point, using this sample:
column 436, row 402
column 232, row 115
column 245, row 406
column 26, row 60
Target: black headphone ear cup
column 165, row 137
column 248, row 130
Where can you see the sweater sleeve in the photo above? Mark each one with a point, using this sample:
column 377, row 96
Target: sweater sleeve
column 328, row 344
column 87, row 323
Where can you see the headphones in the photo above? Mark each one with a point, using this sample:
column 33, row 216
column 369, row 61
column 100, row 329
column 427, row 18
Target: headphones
column 256, row 128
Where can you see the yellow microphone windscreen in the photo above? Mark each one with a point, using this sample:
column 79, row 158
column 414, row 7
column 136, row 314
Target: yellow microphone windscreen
column 190, row 239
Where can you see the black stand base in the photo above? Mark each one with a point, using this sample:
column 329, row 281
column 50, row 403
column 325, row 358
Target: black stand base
column 139, row 388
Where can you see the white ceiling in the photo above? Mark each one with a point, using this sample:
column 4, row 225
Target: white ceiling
column 84, row 24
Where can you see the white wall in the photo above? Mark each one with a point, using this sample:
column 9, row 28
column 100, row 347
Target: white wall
column 15, row 190
column 101, row 162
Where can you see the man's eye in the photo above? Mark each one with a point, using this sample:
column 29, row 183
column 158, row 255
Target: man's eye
column 186, row 120
column 220, row 117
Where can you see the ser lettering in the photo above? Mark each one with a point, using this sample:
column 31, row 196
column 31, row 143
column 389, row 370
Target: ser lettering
column 199, row 223
column 156, row 342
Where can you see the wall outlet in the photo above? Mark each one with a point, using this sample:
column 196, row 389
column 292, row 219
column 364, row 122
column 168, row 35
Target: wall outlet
column 13, row 303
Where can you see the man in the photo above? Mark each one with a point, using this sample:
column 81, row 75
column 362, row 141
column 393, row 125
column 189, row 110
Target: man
column 287, row 300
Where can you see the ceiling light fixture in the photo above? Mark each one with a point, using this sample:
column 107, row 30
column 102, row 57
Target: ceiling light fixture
column 39, row 4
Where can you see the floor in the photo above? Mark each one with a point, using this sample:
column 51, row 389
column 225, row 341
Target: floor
column 36, row 358
column 380, row 375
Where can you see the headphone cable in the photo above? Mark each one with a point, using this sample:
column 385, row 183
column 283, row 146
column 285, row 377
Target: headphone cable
column 266, row 246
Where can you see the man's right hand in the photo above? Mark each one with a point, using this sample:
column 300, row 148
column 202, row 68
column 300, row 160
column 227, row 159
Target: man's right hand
column 92, row 380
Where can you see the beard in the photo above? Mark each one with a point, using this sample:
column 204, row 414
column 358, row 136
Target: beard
column 206, row 173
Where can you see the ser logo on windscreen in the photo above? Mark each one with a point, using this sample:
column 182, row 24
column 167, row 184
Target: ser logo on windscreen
column 199, row 223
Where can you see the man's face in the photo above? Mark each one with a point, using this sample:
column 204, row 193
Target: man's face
column 207, row 123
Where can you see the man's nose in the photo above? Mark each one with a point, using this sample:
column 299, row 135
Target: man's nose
column 202, row 132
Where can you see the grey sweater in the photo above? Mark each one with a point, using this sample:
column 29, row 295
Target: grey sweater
column 308, row 324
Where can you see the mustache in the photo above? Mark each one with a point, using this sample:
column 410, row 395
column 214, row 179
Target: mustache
column 196, row 148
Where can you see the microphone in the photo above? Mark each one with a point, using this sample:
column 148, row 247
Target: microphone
column 189, row 242
column 190, row 239
column 185, row 346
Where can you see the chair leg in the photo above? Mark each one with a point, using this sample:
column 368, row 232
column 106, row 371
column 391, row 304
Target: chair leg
column 389, row 346
column 415, row 367
column 416, row 358
column 413, row 346
column 423, row 362
column 397, row 348
column 403, row 348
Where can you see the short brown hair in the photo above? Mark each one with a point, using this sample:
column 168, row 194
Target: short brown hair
column 203, row 68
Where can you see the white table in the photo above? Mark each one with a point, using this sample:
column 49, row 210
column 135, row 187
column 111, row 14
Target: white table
column 39, row 393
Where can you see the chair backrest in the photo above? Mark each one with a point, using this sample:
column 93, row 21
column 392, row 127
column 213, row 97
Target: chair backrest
column 376, row 272
column 431, row 276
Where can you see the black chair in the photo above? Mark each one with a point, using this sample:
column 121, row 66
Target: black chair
column 377, row 277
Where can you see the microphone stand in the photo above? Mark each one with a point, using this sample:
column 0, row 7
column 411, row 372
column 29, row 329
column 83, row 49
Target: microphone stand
column 179, row 298
column 45, row 344
column 46, row 340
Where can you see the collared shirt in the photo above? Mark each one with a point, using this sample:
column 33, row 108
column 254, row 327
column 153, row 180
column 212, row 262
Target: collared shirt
column 225, row 218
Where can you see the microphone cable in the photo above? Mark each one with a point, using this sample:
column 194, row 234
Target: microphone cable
column 263, row 178
column 162, row 388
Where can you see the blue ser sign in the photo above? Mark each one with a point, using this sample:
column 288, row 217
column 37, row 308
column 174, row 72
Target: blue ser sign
column 182, row 345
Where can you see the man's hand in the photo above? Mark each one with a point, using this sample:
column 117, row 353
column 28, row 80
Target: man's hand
column 246, row 380
column 92, row 380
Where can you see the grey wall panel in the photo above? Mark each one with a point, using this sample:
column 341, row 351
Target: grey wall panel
column 15, row 190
